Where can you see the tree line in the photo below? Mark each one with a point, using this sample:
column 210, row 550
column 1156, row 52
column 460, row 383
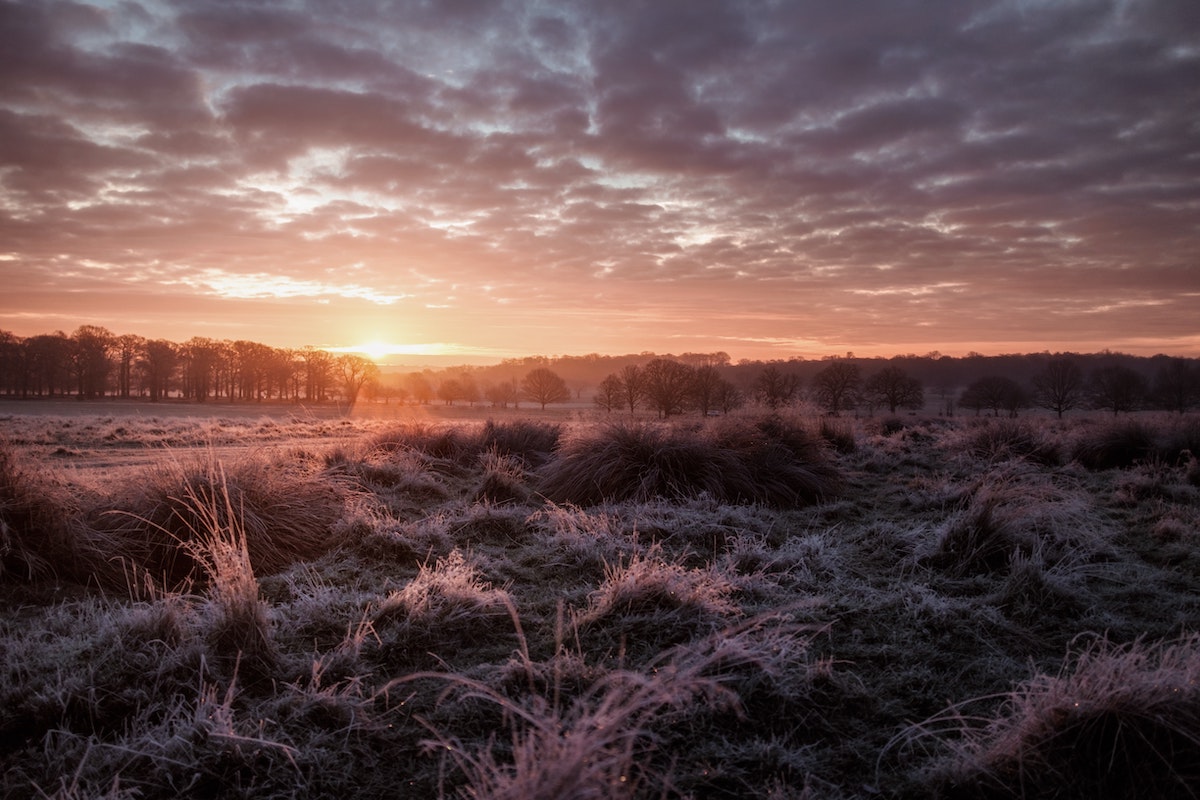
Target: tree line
column 93, row 362
column 671, row 387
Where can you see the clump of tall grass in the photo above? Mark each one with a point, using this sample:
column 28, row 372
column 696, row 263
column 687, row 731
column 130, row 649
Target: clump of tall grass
column 504, row 480
column 285, row 515
column 39, row 534
column 1118, row 721
column 1113, row 445
column 998, row 439
column 530, row 441
column 1012, row 511
column 768, row 461
column 238, row 628
column 650, row 602
column 584, row 732
column 443, row 607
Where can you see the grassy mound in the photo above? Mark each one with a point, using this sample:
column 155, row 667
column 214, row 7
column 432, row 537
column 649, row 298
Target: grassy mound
column 768, row 461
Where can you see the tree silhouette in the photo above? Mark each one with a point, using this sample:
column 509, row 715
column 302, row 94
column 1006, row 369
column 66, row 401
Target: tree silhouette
column 1176, row 385
column 994, row 392
column 91, row 350
column 544, row 386
column 894, row 388
column 1117, row 388
column 633, row 384
column 609, row 393
column 667, row 386
column 157, row 366
column 775, row 388
column 355, row 371
column 1058, row 386
column 836, row 386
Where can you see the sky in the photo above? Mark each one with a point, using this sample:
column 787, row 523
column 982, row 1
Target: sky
column 482, row 179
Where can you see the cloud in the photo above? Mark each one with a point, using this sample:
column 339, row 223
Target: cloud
column 763, row 173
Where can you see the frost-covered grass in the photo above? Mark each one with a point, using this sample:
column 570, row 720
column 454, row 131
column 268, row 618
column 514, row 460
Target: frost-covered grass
column 744, row 607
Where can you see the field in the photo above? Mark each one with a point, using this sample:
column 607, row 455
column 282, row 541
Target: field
column 261, row 603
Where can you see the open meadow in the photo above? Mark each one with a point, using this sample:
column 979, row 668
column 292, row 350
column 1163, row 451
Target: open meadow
column 272, row 604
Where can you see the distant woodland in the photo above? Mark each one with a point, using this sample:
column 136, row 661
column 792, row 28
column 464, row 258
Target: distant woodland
column 93, row 363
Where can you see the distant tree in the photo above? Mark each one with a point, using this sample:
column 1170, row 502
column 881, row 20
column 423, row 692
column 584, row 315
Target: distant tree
column 609, row 393
column 544, row 386
column 502, row 393
column 994, row 392
column 775, row 388
column 1058, row 386
column 633, row 384
column 450, row 390
column 894, row 388
column 836, row 386
column 1176, row 385
column 200, row 359
column 1117, row 388
column 126, row 348
column 48, row 363
column 91, row 359
column 419, row 388
column 707, row 388
column 356, row 371
column 728, row 397
column 156, row 366
column 668, row 386
column 470, row 388
column 318, row 373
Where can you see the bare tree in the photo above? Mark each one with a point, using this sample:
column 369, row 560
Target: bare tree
column 994, row 392
column 156, row 366
column 355, row 371
column 1176, row 385
column 1058, row 386
column 544, row 386
column 633, row 383
column 126, row 348
column 836, row 386
column 608, row 394
column 91, row 351
column 419, row 388
column 1117, row 387
column 775, row 388
column 502, row 393
column 668, row 385
column 894, row 388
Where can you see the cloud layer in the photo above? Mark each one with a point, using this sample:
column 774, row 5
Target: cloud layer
column 768, row 179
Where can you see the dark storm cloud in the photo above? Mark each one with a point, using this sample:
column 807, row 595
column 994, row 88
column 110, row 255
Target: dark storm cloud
column 886, row 171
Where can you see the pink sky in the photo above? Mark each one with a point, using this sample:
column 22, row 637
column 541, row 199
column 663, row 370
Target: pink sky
column 494, row 179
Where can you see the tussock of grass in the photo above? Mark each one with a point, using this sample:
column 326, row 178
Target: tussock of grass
column 1016, row 512
column 1112, row 445
column 443, row 608
column 648, row 602
column 284, row 515
column 768, row 461
column 38, row 534
column 1120, row 721
column 999, row 439
column 529, row 441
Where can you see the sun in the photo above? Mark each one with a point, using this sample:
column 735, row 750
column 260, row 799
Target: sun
column 376, row 350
